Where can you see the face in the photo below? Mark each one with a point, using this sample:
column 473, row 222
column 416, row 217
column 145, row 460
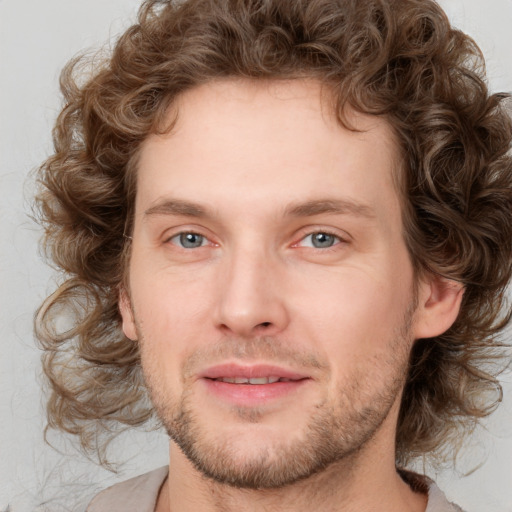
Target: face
column 270, row 287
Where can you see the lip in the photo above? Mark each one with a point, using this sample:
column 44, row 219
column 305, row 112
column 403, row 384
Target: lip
column 251, row 395
column 251, row 372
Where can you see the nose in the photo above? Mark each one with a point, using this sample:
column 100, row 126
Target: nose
column 252, row 298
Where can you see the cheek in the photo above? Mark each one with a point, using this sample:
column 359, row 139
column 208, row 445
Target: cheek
column 171, row 310
column 359, row 331
column 354, row 313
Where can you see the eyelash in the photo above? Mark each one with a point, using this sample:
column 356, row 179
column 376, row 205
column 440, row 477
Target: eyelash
column 185, row 233
column 338, row 239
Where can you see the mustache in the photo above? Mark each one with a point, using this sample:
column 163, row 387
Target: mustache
column 263, row 348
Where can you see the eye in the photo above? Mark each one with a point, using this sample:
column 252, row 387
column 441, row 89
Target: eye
column 319, row 240
column 189, row 240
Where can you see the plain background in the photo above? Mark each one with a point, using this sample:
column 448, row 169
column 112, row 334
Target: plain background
column 36, row 39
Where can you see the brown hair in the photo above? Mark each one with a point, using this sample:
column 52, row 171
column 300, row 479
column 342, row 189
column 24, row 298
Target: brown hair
column 399, row 59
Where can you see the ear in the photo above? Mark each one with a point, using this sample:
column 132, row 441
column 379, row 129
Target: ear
column 439, row 302
column 125, row 308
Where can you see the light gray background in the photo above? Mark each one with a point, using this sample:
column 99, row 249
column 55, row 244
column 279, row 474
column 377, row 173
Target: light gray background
column 36, row 39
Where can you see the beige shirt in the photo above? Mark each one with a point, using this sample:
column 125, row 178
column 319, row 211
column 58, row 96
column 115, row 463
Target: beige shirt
column 139, row 494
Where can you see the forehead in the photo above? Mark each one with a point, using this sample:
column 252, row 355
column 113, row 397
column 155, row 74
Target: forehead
column 240, row 142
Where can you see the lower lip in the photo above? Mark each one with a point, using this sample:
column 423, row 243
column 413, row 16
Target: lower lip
column 252, row 394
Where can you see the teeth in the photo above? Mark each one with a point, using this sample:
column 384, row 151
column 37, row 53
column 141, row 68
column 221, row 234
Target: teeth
column 259, row 380
column 254, row 380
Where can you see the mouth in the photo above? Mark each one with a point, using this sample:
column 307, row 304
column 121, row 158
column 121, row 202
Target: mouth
column 255, row 374
column 254, row 380
column 253, row 384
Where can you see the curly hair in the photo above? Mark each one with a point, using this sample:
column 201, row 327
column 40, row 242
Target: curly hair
column 399, row 59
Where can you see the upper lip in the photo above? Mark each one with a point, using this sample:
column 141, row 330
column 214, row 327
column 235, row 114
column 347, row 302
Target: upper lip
column 250, row 372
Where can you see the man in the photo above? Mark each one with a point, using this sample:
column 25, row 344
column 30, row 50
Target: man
column 290, row 222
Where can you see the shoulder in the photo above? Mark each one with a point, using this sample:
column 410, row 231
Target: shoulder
column 137, row 494
column 437, row 501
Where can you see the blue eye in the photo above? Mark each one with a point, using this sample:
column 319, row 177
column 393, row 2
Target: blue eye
column 189, row 240
column 320, row 240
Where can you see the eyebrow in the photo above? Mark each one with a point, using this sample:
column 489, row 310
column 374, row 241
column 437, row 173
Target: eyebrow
column 334, row 206
column 302, row 209
column 177, row 207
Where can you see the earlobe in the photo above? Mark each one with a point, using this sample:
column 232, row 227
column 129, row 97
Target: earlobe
column 439, row 301
column 125, row 308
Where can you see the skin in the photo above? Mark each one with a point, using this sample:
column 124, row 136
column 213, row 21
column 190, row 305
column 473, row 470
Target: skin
column 260, row 172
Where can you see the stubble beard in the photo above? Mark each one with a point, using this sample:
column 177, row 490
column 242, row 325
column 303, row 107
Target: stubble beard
column 328, row 438
column 335, row 433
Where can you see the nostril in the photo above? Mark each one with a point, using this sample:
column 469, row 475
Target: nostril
column 265, row 324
